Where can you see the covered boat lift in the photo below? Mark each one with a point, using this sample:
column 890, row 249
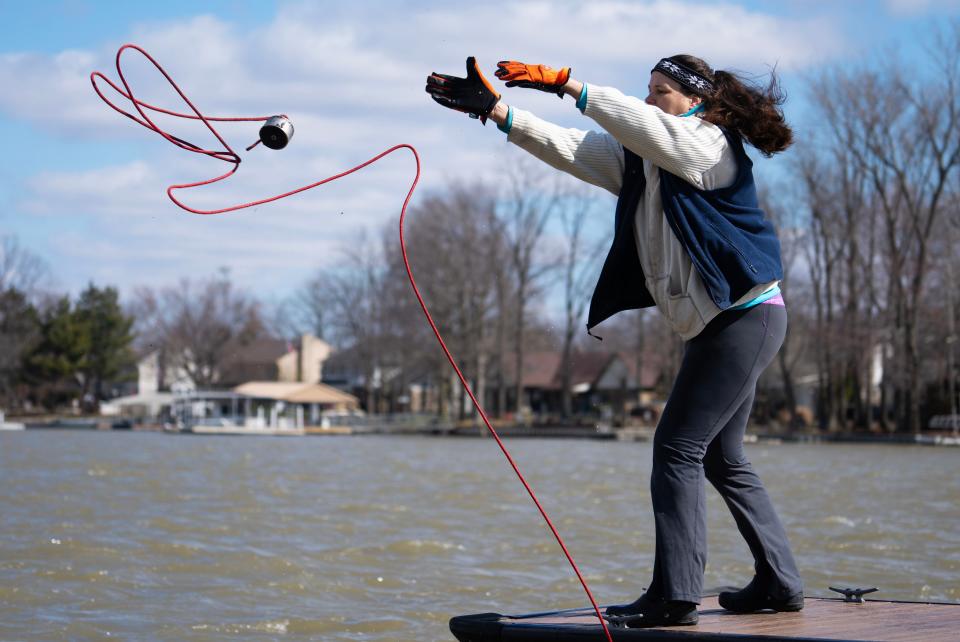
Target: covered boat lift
column 295, row 404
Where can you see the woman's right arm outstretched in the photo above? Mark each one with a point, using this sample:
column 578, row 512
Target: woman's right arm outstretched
column 594, row 157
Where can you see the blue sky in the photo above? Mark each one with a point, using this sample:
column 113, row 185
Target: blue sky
column 84, row 188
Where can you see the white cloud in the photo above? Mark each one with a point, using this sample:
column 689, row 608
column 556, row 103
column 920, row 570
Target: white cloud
column 106, row 189
column 917, row 7
column 304, row 61
column 351, row 79
column 52, row 91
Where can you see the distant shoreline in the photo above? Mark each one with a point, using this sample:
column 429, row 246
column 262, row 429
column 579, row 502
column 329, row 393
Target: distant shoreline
column 900, row 439
column 630, row 434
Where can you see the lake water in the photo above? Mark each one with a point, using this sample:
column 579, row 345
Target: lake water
column 173, row 537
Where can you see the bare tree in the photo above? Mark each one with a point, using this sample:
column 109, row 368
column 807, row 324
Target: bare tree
column 579, row 269
column 531, row 198
column 952, row 229
column 307, row 310
column 504, row 297
column 896, row 142
column 352, row 293
column 197, row 325
column 823, row 254
column 20, row 269
column 776, row 203
column 456, row 249
column 910, row 161
column 841, row 257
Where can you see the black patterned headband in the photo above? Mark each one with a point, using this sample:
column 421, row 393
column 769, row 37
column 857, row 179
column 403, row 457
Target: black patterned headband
column 684, row 75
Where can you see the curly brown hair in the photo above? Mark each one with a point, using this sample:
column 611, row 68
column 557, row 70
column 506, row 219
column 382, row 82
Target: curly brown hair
column 750, row 110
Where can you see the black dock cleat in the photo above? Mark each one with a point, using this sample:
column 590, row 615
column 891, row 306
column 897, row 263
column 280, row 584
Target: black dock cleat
column 853, row 594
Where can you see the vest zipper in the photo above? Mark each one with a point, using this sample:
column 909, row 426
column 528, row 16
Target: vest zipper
column 733, row 245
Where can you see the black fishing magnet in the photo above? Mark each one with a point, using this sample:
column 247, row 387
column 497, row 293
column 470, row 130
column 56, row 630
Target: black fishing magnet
column 276, row 132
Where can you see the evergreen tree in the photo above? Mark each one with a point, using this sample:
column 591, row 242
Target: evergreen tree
column 53, row 366
column 19, row 330
column 110, row 335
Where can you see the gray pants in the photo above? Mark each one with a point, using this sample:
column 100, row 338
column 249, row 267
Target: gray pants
column 700, row 435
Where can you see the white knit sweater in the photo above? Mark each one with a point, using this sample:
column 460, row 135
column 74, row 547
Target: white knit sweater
column 690, row 148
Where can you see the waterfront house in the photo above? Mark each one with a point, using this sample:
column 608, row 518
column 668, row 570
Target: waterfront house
column 602, row 384
column 266, row 380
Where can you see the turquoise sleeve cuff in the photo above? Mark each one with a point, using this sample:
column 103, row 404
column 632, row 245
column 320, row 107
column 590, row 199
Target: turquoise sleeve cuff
column 582, row 100
column 508, row 123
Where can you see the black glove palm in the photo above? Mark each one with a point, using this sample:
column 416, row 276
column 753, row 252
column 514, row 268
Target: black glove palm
column 473, row 94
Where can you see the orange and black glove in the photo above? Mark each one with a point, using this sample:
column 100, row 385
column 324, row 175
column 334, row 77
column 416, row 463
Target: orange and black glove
column 473, row 94
column 542, row 77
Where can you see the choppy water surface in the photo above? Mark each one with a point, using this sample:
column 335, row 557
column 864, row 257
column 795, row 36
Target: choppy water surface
column 150, row 536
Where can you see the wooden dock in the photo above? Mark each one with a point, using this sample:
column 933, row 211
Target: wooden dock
column 821, row 620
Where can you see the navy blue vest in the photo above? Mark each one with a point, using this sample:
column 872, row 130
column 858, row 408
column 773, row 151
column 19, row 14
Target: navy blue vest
column 732, row 245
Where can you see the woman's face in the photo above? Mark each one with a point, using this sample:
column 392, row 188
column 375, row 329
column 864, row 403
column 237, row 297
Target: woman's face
column 666, row 93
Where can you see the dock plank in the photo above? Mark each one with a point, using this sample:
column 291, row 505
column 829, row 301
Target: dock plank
column 822, row 619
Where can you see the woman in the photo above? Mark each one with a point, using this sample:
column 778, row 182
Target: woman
column 689, row 238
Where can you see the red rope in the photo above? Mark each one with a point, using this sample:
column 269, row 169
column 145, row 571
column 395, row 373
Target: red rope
column 228, row 155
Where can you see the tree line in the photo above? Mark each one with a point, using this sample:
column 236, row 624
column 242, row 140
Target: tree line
column 489, row 258
column 873, row 239
column 55, row 351
column 868, row 213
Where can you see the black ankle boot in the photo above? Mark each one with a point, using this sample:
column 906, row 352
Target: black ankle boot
column 754, row 597
column 650, row 611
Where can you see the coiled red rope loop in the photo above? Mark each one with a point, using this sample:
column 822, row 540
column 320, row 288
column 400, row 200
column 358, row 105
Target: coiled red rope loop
column 228, row 155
